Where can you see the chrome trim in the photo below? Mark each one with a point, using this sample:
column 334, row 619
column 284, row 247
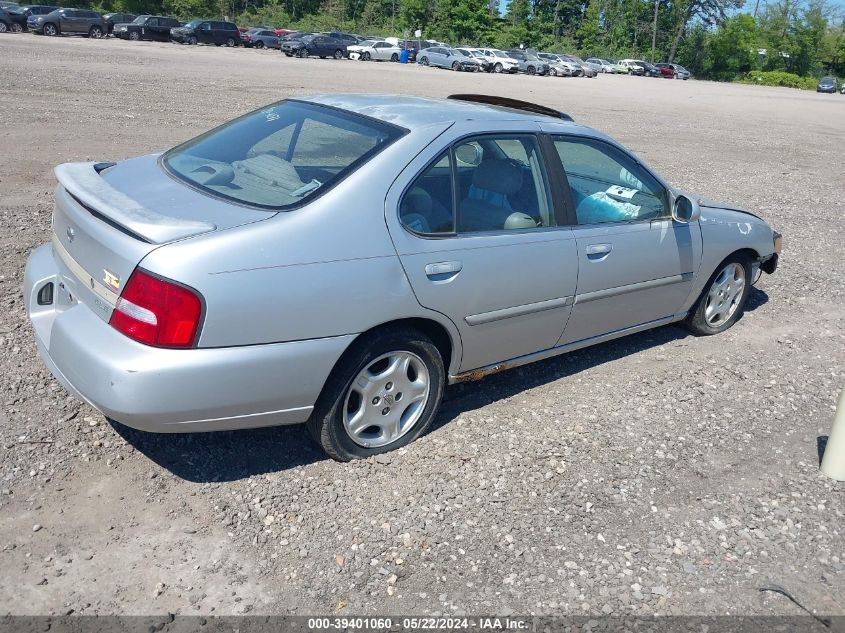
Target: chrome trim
column 102, row 291
column 515, row 311
column 640, row 285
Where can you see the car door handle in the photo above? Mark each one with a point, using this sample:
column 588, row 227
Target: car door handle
column 443, row 268
column 598, row 251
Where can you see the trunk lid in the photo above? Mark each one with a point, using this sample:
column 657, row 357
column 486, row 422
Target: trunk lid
column 108, row 217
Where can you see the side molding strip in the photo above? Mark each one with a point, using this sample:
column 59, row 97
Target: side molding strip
column 515, row 311
column 640, row 285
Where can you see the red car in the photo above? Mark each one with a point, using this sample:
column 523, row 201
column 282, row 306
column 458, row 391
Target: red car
column 666, row 70
column 281, row 32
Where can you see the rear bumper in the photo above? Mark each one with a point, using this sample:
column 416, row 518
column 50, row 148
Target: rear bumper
column 171, row 391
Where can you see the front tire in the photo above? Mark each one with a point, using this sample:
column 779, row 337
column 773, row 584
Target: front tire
column 383, row 394
column 394, row 58
column 722, row 301
column 50, row 29
column 424, row 61
column 498, row 68
column 135, row 36
column 259, row 45
column 16, row 28
column 456, row 66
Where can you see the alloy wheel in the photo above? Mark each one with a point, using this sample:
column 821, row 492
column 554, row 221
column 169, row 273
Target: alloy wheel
column 50, row 30
column 725, row 294
column 386, row 399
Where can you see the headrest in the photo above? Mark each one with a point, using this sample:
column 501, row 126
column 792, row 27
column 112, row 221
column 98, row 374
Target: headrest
column 496, row 175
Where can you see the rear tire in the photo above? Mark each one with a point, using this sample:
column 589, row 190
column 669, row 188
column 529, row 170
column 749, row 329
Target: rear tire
column 347, row 396
column 722, row 301
column 498, row 68
column 259, row 45
column 96, row 32
column 302, row 53
column 394, row 57
column 456, row 66
column 230, row 42
column 3, row 27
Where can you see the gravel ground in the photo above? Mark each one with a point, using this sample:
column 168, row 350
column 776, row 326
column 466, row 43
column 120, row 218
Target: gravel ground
column 658, row 474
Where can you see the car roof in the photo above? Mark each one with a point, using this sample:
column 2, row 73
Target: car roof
column 415, row 112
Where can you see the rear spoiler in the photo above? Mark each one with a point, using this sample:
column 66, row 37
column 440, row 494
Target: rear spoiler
column 84, row 183
column 513, row 104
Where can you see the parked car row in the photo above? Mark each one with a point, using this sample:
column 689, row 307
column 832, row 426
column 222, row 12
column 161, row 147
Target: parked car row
column 52, row 21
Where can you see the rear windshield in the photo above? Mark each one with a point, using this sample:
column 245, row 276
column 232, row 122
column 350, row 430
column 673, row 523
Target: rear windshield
column 279, row 157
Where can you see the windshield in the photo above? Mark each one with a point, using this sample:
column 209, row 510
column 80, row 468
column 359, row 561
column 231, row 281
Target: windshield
column 140, row 19
column 278, row 157
column 193, row 24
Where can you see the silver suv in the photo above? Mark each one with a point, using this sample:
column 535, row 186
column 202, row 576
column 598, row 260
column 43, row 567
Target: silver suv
column 529, row 63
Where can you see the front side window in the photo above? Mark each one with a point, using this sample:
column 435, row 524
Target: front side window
column 280, row 156
column 608, row 185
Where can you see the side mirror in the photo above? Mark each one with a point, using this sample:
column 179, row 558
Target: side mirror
column 685, row 210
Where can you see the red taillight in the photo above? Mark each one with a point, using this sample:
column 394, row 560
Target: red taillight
column 157, row 312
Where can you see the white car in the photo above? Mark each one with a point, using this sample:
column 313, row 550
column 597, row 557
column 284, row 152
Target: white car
column 373, row 50
column 632, row 66
column 502, row 63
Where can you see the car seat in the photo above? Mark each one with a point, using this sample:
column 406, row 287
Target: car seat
column 487, row 206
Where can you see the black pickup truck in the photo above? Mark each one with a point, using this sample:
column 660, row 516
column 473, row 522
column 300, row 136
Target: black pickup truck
column 147, row 27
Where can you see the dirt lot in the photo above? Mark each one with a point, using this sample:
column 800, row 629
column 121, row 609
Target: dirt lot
column 657, row 474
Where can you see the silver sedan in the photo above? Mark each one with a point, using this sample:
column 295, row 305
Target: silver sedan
column 338, row 260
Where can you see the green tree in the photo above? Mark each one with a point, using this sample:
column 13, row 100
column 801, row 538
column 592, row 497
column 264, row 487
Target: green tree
column 732, row 50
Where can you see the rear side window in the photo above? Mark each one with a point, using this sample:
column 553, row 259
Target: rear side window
column 487, row 183
column 279, row 157
column 427, row 206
